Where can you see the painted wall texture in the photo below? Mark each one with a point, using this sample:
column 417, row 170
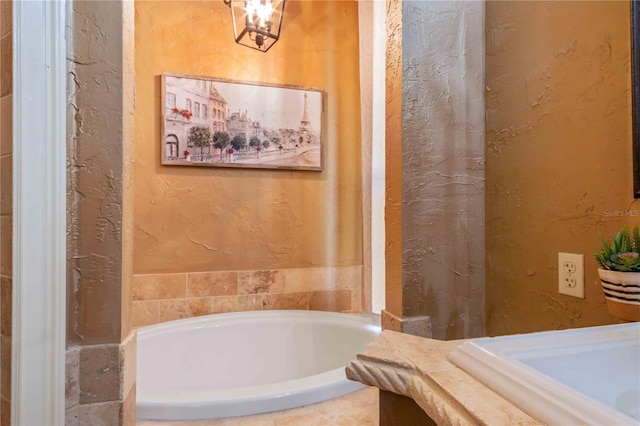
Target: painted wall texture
column 558, row 155
column 6, row 206
column 97, row 179
column 435, row 165
column 100, row 356
column 206, row 219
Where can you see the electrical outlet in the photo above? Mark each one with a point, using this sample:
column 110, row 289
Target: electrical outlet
column 570, row 282
column 569, row 266
column 571, row 274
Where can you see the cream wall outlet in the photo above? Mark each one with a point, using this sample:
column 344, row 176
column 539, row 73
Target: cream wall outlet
column 571, row 274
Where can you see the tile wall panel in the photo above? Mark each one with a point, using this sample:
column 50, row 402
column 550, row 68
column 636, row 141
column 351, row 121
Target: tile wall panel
column 165, row 297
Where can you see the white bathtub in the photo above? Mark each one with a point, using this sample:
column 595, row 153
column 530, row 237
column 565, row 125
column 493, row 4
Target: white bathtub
column 237, row 364
column 586, row 376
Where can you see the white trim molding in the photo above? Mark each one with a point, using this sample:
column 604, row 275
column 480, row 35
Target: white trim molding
column 373, row 37
column 39, row 241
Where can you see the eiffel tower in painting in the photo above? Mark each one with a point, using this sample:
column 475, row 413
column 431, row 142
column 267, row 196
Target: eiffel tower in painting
column 305, row 123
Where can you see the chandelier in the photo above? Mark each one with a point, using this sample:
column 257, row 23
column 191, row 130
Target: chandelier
column 256, row 23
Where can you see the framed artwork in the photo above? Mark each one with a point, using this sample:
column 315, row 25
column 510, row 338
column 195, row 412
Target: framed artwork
column 222, row 123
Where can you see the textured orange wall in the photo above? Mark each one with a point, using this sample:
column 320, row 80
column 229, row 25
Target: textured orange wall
column 558, row 155
column 204, row 219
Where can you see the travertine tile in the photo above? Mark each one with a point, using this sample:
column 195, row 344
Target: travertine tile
column 5, row 411
column 6, row 64
column 105, row 413
column 99, row 374
column 363, row 398
column 6, row 183
column 6, row 128
column 129, row 409
column 356, row 300
column 72, row 377
column 159, row 286
column 6, row 24
column 330, row 300
column 360, row 416
column 287, row 301
column 6, row 304
column 232, row 421
column 71, row 416
column 479, row 400
column 5, row 370
column 200, row 284
column 297, row 420
column 252, row 282
column 259, row 420
column 6, row 237
column 128, row 366
column 252, row 302
column 145, row 312
column 354, row 409
column 184, row 308
column 297, row 411
column 349, row 276
column 420, row 368
column 308, row 279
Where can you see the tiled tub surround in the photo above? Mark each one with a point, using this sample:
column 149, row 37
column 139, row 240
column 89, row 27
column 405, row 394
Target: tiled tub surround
column 420, row 369
column 355, row 409
column 100, row 383
column 165, row 297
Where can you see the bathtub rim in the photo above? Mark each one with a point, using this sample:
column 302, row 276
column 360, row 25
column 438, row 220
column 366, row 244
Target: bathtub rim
column 493, row 361
column 265, row 398
column 230, row 317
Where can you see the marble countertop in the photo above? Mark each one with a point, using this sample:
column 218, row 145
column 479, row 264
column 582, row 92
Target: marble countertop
column 420, row 369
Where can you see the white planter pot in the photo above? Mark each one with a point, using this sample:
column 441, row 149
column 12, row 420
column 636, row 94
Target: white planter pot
column 622, row 291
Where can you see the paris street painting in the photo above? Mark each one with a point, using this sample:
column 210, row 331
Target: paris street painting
column 221, row 123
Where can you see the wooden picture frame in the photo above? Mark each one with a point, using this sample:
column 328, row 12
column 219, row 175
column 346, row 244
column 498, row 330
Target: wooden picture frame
column 215, row 122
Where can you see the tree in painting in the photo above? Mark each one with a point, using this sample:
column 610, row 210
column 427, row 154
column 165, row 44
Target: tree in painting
column 238, row 142
column 199, row 136
column 254, row 142
column 220, row 140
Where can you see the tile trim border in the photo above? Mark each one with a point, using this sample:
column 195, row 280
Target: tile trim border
column 158, row 298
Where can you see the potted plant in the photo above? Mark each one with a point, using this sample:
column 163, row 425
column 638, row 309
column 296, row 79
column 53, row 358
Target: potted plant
column 620, row 274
